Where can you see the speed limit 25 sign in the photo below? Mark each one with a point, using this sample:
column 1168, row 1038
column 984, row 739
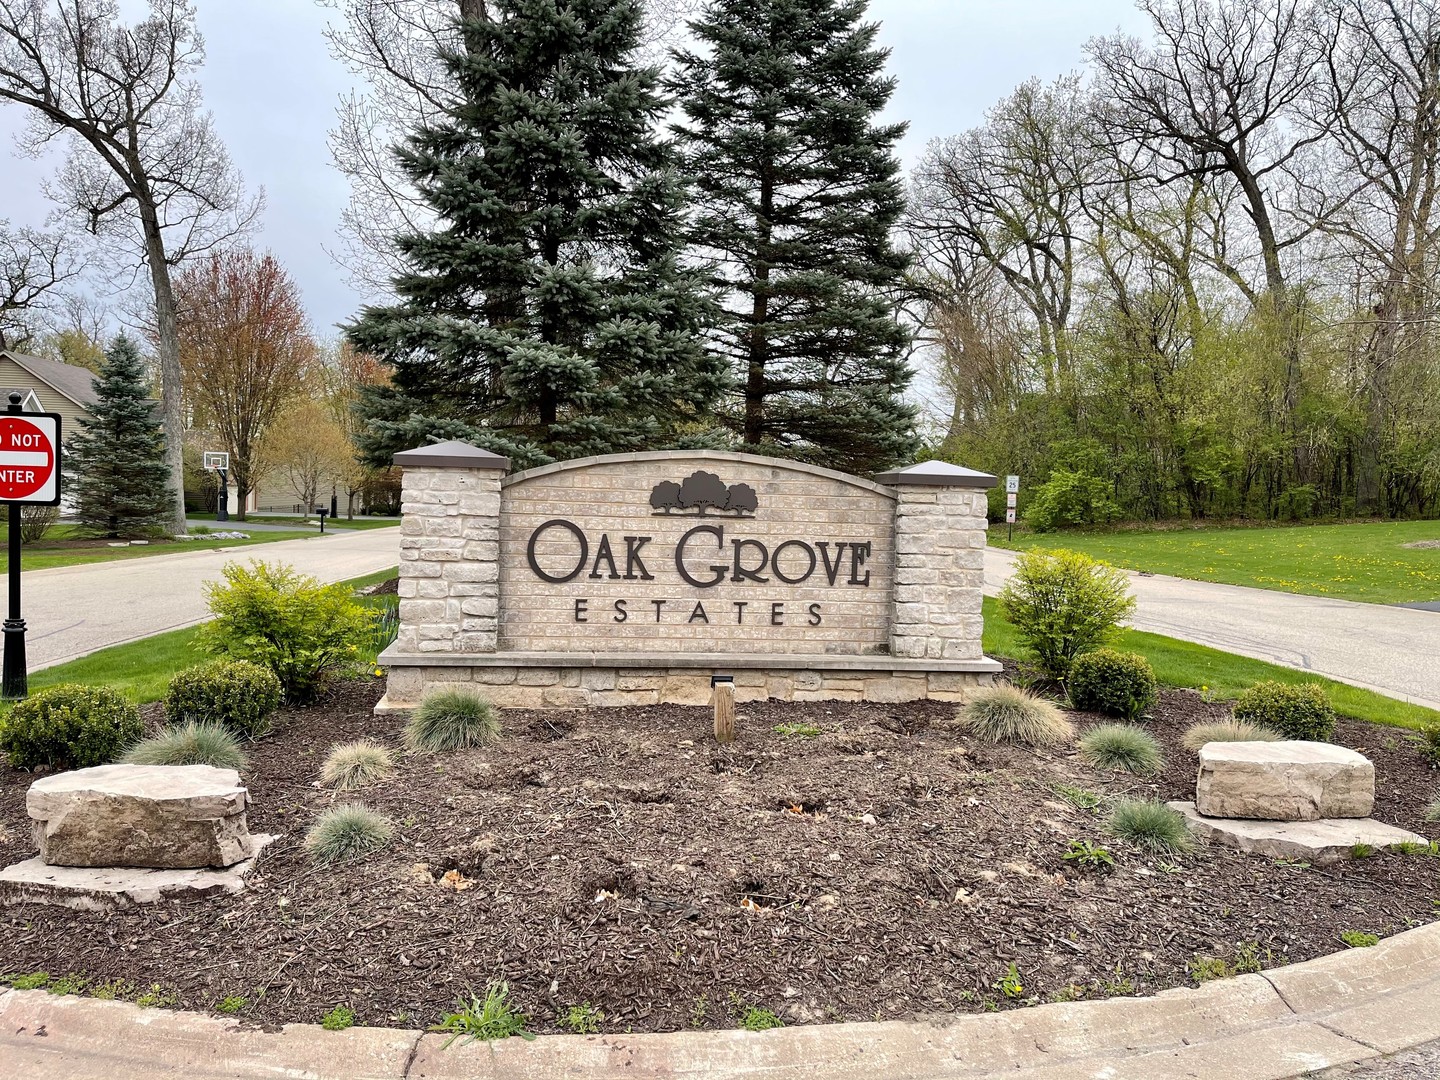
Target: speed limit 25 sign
column 30, row 458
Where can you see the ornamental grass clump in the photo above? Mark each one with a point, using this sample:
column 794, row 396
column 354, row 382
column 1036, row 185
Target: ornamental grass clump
column 1121, row 747
column 237, row 694
column 1063, row 604
column 1197, row 735
column 1297, row 711
column 1008, row 714
column 1151, row 825
column 190, row 743
column 69, row 727
column 347, row 832
column 354, row 765
column 1114, row 683
column 452, row 720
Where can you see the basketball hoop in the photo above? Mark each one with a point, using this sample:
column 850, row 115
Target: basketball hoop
column 216, row 461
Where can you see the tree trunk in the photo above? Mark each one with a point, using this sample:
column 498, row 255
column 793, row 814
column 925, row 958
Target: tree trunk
column 167, row 335
column 759, row 313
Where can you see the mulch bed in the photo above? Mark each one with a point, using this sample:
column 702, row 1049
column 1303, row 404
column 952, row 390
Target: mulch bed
column 888, row 867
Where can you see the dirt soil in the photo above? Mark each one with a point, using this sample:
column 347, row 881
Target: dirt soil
column 885, row 867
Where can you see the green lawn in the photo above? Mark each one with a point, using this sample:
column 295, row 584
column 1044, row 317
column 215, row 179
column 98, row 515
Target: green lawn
column 1222, row 675
column 64, row 546
column 1366, row 561
column 141, row 670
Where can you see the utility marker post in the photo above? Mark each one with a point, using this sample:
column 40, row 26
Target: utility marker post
column 1012, row 496
column 29, row 476
column 722, row 695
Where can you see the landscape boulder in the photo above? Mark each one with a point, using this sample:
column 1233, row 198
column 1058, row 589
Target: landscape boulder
column 1283, row 781
column 158, row 816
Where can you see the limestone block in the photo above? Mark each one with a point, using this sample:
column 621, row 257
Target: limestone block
column 1327, row 840
column 163, row 816
column 1284, row 781
column 686, row 690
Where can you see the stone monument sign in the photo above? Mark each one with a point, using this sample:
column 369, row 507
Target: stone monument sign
column 634, row 578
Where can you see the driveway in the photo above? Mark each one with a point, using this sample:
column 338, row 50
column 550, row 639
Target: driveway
column 1392, row 650
column 73, row 610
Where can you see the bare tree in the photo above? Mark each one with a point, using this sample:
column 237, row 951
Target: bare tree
column 396, row 47
column 1009, row 194
column 32, row 265
column 246, row 352
column 145, row 165
column 1213, row 98
column 1379, row 102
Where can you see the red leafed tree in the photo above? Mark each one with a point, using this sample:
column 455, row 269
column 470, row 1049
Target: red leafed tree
column 245, row 351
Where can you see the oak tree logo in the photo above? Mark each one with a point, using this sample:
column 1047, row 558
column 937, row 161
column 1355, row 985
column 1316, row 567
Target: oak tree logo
column 702, row 492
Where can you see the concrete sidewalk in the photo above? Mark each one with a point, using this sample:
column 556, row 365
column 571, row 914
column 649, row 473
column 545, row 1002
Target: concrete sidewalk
column 74, row 610
column 1392, row 650
column 1358, row 1005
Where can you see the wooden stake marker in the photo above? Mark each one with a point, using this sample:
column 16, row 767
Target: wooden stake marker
column 722, row 696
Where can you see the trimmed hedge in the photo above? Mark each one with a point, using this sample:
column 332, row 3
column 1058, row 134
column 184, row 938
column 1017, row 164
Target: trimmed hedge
column 69, row 727
column 1114, row 683
column 1297, row 711
column 240, row 696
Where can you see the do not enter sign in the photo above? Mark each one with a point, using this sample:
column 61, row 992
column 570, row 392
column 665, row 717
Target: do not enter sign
column 29, row 458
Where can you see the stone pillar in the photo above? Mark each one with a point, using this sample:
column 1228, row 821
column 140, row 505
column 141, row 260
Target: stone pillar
column 940, row 523
column 449, row 549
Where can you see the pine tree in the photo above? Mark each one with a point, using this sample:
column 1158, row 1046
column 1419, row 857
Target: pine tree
column 115, row 465
column 546, row 315
column 798, row 190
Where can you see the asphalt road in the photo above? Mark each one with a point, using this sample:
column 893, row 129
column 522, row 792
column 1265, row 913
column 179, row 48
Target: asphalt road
column 74, row 610
column 1393, row 650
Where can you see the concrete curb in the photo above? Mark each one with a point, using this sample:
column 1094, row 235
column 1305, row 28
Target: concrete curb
column 1291, row 1022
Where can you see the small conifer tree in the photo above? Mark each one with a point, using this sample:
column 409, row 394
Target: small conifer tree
column 115, row 465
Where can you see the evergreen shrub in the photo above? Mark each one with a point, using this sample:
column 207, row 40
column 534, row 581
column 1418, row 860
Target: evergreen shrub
column 190, row 743
column 1008, row 714
column 69, row 727
column 1296, row 711
column 1114, row 683
column 1062, row 604
column 236, row 694
column 271, row 615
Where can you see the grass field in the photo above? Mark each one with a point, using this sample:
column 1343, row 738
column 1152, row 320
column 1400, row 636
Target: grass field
column 1366, row 561
column 141, row 670
column 1221, row 675
column 63, row 546
column 312, row 524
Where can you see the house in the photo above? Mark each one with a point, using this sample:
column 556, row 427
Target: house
column 48, row 386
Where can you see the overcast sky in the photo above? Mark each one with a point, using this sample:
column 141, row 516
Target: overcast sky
column 273, row 88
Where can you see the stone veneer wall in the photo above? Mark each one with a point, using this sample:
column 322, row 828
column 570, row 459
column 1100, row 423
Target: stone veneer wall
column 916, row 634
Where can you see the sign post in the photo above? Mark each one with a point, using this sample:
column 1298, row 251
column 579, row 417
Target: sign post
column 29, row 476
column 1012, row 496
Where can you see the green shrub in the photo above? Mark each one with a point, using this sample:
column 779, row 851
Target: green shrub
column 1297, row 711
column 1359, row 939
column 1114, row 683
column 452, row 720
column 1008, row 714
column 1197, row 735
column 1121, row 746
column 338, row 1019
column 1072, row 497
column 237, row 694
column 1150, row 824
column 352, row 765
column 285, row 621
column 1427, row 741
column 69, row 727
column 1062, row 604
column 189, row 744
column 347, row 832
